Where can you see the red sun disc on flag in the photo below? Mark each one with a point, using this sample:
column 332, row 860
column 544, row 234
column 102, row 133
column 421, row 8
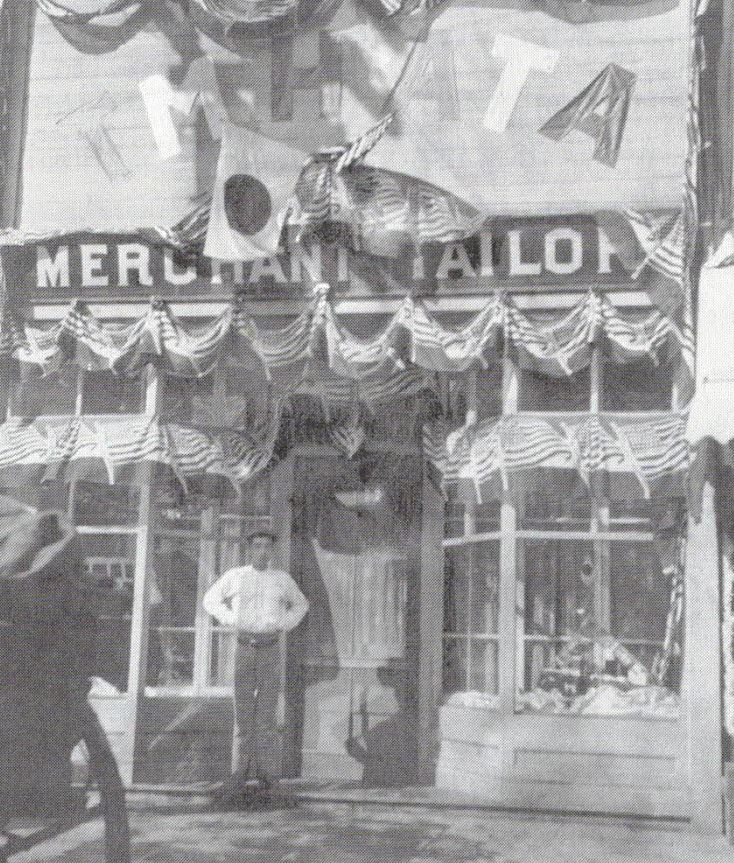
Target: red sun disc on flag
column 247, row 204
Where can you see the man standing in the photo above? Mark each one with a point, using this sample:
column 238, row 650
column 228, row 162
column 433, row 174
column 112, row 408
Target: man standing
column 260, row 603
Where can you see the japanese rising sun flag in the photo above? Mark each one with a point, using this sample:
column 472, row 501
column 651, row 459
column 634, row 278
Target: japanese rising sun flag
column 255, row 181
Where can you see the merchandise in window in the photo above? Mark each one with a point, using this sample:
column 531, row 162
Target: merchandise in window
column 602, row 629
column 471, row 620
column 97, row 504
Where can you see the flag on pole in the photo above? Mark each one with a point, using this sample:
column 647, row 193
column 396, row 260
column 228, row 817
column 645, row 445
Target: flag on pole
column 255, row 181
column 359, row 148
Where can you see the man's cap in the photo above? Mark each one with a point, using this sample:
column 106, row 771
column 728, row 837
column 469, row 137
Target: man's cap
column 265, row 534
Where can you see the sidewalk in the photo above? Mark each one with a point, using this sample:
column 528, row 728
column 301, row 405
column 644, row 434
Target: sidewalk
column 318, row 832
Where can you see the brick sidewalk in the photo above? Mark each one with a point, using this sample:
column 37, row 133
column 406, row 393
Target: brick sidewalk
column 345, row 833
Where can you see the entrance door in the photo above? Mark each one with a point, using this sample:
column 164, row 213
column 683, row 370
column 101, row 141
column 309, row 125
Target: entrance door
column 355, row 545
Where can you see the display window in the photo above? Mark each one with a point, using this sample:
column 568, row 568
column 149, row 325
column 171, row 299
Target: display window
column 110, row 562
column 195, row 539
column 581, row 595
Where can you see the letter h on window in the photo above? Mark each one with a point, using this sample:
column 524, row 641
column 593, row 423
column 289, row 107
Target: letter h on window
column 286, row 78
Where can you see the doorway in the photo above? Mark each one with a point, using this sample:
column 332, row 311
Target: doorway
column 352, row 665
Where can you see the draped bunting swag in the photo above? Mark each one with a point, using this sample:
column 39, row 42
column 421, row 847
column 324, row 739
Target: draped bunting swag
column 413, row 340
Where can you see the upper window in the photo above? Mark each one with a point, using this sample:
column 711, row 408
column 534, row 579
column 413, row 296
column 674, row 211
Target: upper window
column 640, row 386
column 543, row 393
column 104, row 392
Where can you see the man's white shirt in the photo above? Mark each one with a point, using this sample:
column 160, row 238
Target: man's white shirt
column 258, row 601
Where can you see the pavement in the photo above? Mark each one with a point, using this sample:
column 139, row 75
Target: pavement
column 318, row 832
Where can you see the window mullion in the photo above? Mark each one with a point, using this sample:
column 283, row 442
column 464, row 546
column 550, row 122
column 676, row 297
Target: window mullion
column 511, row 624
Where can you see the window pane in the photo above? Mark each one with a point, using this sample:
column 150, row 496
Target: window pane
column 640, row 600
column 486, row 517
column 602, row 629
column 188, row 401
column 471, row 609
column 563, row 505
column 34, row 394
column 96, row 504
column 110, row 561
column 640, row 386
column 174, row 577
column 107, row 393
column 454, row 665
column 542, row 393
column 221, row 657
column 488, row 394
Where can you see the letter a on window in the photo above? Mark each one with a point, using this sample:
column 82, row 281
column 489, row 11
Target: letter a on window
column 600, row 111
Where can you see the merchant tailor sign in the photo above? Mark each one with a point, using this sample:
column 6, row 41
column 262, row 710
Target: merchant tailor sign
column 519, row 254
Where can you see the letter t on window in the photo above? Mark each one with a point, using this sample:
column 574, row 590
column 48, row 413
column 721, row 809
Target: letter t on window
column 521, row 58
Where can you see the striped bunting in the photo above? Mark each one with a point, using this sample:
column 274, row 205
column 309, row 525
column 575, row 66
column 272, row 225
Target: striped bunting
column 650, row 447
column 316, row 338
column 247, row 11
column 120, row 444
column 440, row 349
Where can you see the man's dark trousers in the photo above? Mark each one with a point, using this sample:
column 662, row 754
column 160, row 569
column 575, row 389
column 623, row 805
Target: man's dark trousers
column 257, row 740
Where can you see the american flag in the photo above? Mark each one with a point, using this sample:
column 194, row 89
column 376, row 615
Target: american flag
column 186, row 234
column 655, row 447
column 641, row 338
column 349, row 437
column 22, row 444
column 441, row 349
column 532, row 442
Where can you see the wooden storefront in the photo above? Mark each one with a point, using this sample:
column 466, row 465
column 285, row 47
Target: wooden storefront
column 448, row 629
column 509, row 600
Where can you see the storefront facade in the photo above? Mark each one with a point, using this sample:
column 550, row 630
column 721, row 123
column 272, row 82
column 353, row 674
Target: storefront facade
column 500, row 614
column 473, row 457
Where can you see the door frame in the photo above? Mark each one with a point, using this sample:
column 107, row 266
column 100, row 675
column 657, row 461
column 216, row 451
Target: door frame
column 424, row 658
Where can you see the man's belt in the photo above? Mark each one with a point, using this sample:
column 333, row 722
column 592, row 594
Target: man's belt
column 257, row 639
